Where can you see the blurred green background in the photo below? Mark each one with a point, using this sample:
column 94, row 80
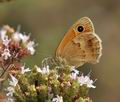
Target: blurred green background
column 48, row 20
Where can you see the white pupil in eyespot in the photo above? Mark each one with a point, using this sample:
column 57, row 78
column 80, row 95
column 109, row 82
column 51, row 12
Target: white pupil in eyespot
column 80, row 28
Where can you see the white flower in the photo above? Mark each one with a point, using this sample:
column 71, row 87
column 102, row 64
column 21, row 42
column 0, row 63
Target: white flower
column 6, row 54
column 10, row 91
column 3, row 34
column 23, row 70
column 10, row 99
column 57, row 99
column 24, row 38
column 4, row 37
column 44, row 70
column 38, row 69
column 13, row 81
column 85, row 80
column 6, row 41
column 30, row 47
column 74, row 74
column 75, row 71
column 90, row 84
column 16, row 36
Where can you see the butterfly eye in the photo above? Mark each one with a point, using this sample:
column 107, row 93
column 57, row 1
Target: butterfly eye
column 80, row 28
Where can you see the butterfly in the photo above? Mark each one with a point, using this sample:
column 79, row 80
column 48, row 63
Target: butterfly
column 80, row 44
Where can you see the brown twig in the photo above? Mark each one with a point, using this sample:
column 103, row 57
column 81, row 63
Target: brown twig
column 6, row 69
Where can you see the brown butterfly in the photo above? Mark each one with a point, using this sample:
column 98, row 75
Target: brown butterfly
column 80, row 44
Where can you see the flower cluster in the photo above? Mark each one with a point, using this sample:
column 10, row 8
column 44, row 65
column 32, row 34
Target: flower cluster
column 14, row 46
column 15, row 43
column 51, row 84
